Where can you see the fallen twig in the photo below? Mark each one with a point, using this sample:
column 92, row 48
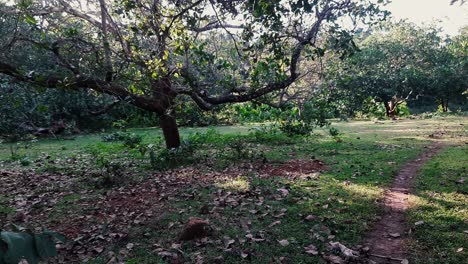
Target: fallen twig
column 385, row 257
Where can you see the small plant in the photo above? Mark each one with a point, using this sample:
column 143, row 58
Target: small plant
column 116, row 136
column 130, row 140
column 51, row 168
column 152, row 156
column 239, row 147
column 210, row 136
column 111, row 174
column 334, row 132
column 22, row 243
column 120, row 124
column 269, row 134
column 295, row 127
column 14, row 155
column 169, row 158
column 25, row 162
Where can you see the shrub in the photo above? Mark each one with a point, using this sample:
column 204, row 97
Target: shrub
column 402, row 110
column 210, row 136
column 334, row 132
column 169, row 158
column 295, row 127
column 130, row 140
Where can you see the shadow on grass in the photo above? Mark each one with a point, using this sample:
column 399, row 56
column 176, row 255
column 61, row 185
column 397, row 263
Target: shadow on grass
column 441, row 203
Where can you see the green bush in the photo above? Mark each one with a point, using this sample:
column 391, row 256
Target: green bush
column 130, row 140
column 170, row 158
column 402, row 110
column 210, row 136
column 295, row 127
column 334, row 132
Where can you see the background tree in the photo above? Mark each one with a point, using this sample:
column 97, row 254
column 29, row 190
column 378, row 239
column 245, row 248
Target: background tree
column 446, row 78
column 392, row 65
column 150, row 52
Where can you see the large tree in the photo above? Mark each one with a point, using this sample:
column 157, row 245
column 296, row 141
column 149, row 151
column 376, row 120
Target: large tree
column 394, row 63
column 149, row 52
column 446, row 78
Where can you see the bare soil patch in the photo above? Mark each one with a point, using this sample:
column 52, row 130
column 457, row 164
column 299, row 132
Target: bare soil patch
column 295, row 168
column 387, row 240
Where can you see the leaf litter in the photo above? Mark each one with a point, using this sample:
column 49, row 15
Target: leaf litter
column 97, row 220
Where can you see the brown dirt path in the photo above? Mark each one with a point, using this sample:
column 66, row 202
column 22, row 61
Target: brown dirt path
column 388, row 236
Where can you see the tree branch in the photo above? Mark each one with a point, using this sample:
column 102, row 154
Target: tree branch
column 106, row 109
column 82, row 82
column 105, row 40
column 207, row 102
column 215, row 25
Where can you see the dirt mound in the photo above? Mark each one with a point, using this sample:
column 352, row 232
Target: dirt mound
column 195, row 228
column 294, row 168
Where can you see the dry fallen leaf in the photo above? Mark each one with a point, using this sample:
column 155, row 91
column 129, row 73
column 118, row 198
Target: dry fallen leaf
column 283, row 242
column 274, row 223
column 345, row 251
column 251, row 237
column 228, row 242
column 176, row 246
column 284, row 192
column 99, row 249
column 334, row 259
column 311, row 250
column 130, row 246
column 310, row 217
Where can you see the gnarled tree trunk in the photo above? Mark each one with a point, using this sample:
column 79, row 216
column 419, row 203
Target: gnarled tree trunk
column 390, row 108
column 170, row 130
column 444, row 104
column 163, row 89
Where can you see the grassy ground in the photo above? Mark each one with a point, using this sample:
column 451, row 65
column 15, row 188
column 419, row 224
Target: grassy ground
column 441, row 209
column 112, row 204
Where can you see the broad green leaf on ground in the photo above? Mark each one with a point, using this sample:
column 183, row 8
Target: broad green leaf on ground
column 20, row 246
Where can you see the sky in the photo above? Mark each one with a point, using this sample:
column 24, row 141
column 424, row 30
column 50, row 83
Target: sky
column 452, row 17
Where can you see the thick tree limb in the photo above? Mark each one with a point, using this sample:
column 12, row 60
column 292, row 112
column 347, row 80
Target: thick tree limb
column 215, row 25
column 106, row 109
column 83, row 82
column 207, row 102
column 105, row 40
column 70, row 10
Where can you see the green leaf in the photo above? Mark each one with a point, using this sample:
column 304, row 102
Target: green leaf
column 30, row 20
column 45, row 246
column 20, row 228
column 24, row 4
column 20, row 246
column 55, row 235
column 3, row 250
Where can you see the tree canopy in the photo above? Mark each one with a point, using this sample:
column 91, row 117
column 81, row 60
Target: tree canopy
column 150, row 52
column 402, row 61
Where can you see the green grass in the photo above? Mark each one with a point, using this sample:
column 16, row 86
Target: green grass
column 441, row 202
column 344, row 199
column 4, row 209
